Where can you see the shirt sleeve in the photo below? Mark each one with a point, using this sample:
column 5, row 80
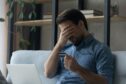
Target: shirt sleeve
column 104, row 64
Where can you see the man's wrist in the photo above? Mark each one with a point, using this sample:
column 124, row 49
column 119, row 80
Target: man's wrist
column 78, row 69
column 59, row 46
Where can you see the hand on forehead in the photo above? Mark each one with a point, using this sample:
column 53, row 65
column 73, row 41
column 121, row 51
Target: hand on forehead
column 66, row 24
column 67, row 27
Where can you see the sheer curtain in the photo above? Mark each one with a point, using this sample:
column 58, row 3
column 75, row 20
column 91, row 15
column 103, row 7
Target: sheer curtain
column 3, row 37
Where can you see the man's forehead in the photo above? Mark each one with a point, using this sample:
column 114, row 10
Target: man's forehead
column 66, row 24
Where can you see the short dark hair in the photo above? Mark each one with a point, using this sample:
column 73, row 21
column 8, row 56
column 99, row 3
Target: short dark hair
column 73, row 15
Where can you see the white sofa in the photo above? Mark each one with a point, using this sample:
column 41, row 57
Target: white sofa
column 38, row 58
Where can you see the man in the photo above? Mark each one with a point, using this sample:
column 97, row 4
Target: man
column 87, row 61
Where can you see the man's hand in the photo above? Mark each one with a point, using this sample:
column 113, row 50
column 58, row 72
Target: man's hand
column 65, row 34
column 70, row 63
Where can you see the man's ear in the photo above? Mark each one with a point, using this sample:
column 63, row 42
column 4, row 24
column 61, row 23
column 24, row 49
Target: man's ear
column 81, row 24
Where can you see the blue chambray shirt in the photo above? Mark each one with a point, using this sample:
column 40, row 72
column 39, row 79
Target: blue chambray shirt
column 90, row 54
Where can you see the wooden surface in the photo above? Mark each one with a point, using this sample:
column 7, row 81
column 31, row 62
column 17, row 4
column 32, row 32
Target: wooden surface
column 36, row 1
column 39, row 1
column 33, row 23
column 48, row 21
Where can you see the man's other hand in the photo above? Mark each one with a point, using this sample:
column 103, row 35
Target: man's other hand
column 70, row 63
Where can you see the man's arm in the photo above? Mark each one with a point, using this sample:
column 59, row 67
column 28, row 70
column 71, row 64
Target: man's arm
column 90, row 77
column 51, row 64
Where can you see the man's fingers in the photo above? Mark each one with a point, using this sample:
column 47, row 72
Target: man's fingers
column 67, row 57
column 65, row 62
column 68, row 61
column 68, row 35
column 67, row 29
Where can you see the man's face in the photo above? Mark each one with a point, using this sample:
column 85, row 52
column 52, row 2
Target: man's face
column 77, row 32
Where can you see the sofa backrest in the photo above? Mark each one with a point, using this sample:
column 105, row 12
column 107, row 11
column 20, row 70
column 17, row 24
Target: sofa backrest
column 38, row 58
column 120, row 67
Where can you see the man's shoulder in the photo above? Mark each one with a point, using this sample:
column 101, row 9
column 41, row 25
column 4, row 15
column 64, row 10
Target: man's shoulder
column 99, row 46
column 102, row 46
column 102, row 49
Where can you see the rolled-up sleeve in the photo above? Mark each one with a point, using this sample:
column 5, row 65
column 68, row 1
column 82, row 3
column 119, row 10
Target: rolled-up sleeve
column 105, row 64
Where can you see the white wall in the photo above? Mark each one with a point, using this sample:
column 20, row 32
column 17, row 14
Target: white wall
column 118, row 29
column 117, row 36
column 3, row 37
